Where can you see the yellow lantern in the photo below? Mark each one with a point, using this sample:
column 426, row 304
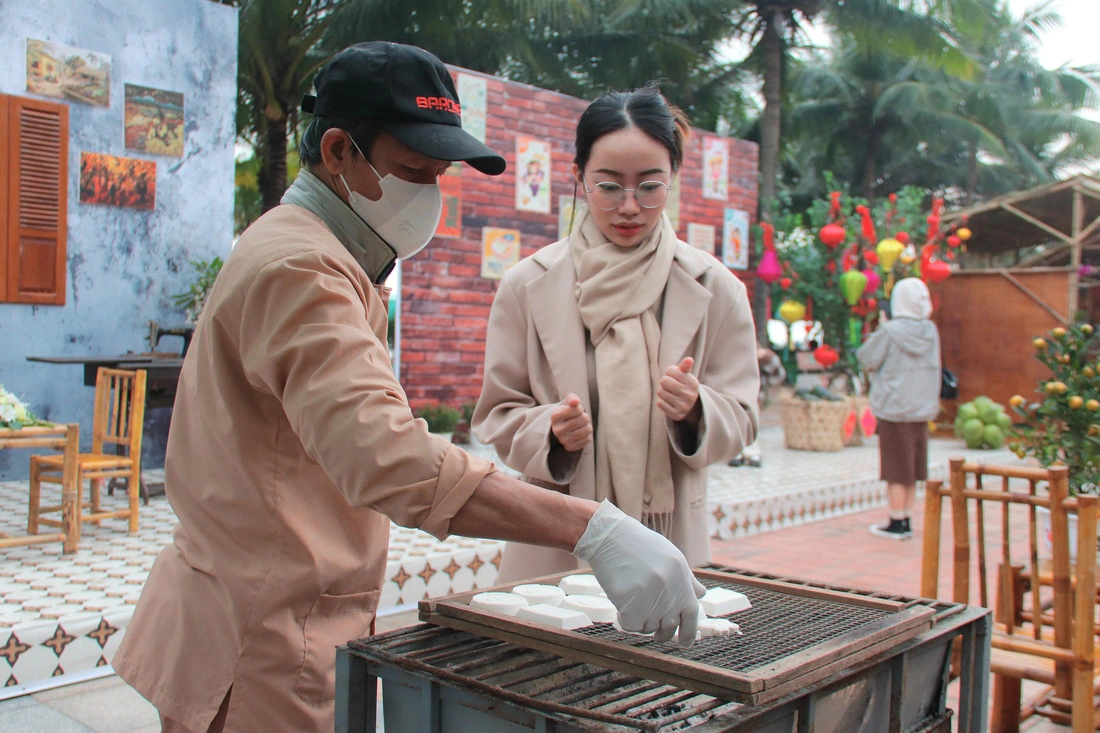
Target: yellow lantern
column 963, row 233
column 888, row 251
column 791, row 311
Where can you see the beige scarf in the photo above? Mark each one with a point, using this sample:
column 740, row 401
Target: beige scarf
column 617, row 292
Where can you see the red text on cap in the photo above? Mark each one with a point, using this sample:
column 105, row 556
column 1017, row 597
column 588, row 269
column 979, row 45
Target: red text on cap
column 442, row 103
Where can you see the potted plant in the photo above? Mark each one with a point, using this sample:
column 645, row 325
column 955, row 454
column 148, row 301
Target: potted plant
column 194, row 298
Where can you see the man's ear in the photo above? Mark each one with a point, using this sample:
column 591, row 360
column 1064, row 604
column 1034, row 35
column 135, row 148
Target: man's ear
column 336, row 150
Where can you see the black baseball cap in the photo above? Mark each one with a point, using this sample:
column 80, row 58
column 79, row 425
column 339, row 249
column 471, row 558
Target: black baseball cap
column 408, row 92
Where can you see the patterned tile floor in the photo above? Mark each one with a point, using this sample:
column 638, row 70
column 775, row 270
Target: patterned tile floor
column 65, row 615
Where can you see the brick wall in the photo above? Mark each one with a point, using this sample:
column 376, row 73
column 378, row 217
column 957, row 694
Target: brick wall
column 445, row 301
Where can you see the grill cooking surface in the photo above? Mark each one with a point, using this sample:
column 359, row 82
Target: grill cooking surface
column 595, row 697
column 777, row 626
column 793, row 635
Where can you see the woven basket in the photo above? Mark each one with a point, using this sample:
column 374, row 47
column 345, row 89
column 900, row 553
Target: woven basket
column 814, row 425
column 855, row 421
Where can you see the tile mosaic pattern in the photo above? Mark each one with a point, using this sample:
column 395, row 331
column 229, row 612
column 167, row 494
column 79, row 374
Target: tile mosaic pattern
column 794, row 487
column 66, row 614
column 62, row 614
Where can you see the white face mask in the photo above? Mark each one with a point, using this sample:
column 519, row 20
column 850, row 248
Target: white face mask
column 406, row 215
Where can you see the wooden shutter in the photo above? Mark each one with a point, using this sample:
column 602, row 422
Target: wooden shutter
column 37, row 201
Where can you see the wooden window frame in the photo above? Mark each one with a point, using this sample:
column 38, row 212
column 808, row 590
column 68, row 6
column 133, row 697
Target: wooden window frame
column 13, row 233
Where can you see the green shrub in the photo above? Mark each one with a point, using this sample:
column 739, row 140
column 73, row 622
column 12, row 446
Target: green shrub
column 440, row 418
column 1059, row 423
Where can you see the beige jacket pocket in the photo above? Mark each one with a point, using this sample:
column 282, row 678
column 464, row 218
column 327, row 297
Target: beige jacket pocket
column 332, row 621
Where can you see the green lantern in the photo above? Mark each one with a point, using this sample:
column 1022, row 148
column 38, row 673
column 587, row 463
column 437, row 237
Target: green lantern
column 852, row 285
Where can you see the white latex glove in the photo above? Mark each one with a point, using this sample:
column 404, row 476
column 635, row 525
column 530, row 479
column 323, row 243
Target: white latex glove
column 644, row 575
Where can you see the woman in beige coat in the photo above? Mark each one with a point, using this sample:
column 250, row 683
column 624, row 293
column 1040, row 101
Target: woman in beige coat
column 620, row 362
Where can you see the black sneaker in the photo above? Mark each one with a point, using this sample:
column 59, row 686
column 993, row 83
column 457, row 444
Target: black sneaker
column 897, row 529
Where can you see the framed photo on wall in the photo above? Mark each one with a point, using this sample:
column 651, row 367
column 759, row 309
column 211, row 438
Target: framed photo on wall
column 701, row 236
column 532, row 175
column 716, row 165
column 499, row 251
column 735, row 239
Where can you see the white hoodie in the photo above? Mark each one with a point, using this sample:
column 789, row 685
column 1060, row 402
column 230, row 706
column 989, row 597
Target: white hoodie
column 905, row 355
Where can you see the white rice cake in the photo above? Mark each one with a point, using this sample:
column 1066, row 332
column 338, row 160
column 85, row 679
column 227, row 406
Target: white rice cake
column 581, row 585
column 598, row 609
column 723, row 601
column 536, row 593
column 718, row 627
column 507, row 604
column 554, row 616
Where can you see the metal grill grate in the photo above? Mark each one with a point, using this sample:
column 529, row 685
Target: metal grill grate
column 620, row 702
column 777, row 626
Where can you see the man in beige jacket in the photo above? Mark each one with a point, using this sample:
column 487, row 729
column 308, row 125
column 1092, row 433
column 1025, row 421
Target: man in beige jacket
column 292, row 445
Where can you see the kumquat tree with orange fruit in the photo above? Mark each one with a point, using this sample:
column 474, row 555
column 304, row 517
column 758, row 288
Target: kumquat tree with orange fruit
column 1062, row 426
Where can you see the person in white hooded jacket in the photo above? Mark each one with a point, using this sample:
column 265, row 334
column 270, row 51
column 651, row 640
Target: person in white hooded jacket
column 904, row 353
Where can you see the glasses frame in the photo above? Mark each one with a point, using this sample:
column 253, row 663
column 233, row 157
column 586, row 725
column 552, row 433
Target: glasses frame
column 623, row 191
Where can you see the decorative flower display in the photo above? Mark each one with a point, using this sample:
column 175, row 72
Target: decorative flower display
column 842, row 259
column 13, row 412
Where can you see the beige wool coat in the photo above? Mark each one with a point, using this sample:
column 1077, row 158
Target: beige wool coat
column 291, row 447
column 536, row 354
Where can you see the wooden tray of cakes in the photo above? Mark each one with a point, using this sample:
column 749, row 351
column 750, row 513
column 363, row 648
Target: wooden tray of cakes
column 762, row 639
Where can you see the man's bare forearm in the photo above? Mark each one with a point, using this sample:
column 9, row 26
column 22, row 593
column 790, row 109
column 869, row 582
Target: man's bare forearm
column 506, row 508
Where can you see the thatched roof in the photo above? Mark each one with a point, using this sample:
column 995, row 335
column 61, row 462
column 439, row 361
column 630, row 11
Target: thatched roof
column 1016, row 221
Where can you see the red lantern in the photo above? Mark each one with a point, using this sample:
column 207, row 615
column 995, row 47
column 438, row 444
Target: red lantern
column 826, row 356
column 936, row 270
column 902, row 237
column 832, row 235
column 785, row 282
column 954, row 241
column 871, row 257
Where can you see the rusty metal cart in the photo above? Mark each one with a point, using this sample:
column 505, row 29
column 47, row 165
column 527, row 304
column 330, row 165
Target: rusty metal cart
column 814, row 659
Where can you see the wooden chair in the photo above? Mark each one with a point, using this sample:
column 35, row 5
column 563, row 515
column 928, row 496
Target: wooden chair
column 1041, row 633
column 117, row 421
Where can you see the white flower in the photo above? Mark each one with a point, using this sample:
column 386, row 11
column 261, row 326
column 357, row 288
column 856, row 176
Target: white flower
column 12, row 410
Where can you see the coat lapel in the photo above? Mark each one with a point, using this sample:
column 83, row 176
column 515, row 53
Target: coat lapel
column 686, row 303
column 559, row 327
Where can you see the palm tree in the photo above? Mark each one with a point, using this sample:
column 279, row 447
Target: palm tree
column 910, row 27
column 278, row 54
column 881, row 122
column 575, row 46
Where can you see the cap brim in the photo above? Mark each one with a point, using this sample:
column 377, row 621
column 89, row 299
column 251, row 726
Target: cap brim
column 447, row 142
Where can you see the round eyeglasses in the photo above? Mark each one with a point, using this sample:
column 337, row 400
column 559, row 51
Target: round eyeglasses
column 609, row 195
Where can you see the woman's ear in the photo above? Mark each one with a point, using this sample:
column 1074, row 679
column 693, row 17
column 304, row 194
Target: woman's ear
column 577, row 174
column 336, row 150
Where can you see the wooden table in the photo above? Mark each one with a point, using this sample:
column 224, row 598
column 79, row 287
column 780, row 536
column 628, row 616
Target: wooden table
column 162, row 371
column 64, row 438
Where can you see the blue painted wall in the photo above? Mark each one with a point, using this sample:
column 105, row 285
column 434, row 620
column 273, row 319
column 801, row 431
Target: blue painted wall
column 124, row 264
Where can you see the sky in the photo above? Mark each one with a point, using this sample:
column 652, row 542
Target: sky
column 1075, row 42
